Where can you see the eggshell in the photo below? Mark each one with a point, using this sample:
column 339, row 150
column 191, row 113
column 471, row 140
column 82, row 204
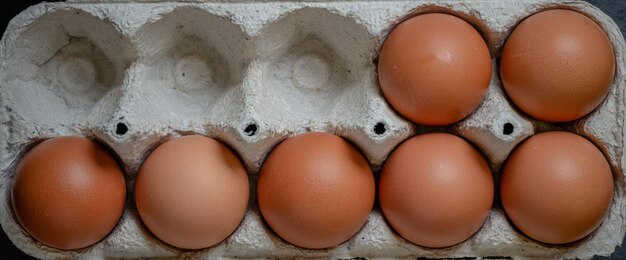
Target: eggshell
column 316, row 190
column 434, row 69
column 556, row 187
column 192, row 192
column 436, row 190
column 252, row 90
column 68, row 192
column 557, row 65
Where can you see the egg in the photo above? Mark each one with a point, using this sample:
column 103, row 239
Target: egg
column 556, row 187
column 434, row 69
column 436, row 190
column 192, row 192
column 557, row 65
column 315, row 190
column 68, row 192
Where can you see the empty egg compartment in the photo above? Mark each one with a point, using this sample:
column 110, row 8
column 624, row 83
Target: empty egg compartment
column 66, row 68
column 132, row 75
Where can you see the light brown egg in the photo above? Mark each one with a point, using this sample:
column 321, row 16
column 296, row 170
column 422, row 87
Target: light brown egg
column 316, row 190
column 192, row 192
column 557, row 65
column 434, row 69
column 68, row 192
column 436, row 190
column 556, row 187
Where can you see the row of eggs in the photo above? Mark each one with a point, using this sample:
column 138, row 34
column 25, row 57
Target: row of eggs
column 314, row 190
column 556, row 66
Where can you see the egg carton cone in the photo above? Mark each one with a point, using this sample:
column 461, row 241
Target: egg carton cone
column 250, row 74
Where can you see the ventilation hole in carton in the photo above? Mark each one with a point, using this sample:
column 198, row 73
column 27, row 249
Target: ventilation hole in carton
column 380, row 128
column 121, row 129
column 250, row 130
column 508, row 128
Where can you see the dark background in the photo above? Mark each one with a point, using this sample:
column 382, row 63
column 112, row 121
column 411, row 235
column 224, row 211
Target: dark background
column 614, row 8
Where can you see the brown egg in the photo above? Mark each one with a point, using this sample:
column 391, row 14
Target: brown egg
column 434, row 69
column 556, row 187
column 192, row 192
column 316, row 190
column 557, row 65
column 68, row 192
column 436, row 190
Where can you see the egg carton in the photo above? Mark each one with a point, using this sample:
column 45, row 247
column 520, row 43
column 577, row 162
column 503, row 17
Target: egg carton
column 132, row 75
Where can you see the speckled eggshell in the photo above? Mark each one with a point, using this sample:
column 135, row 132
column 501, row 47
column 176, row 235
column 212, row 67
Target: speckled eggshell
column 436, row 190
column 557, row 65
column 434, row 69
column 556, row 187
column 316, row 190
column 68, row 192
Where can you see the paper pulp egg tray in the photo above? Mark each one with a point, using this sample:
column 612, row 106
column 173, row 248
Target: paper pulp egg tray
column 115, row 72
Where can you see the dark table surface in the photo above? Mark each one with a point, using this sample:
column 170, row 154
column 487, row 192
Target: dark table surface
column 614, row 8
